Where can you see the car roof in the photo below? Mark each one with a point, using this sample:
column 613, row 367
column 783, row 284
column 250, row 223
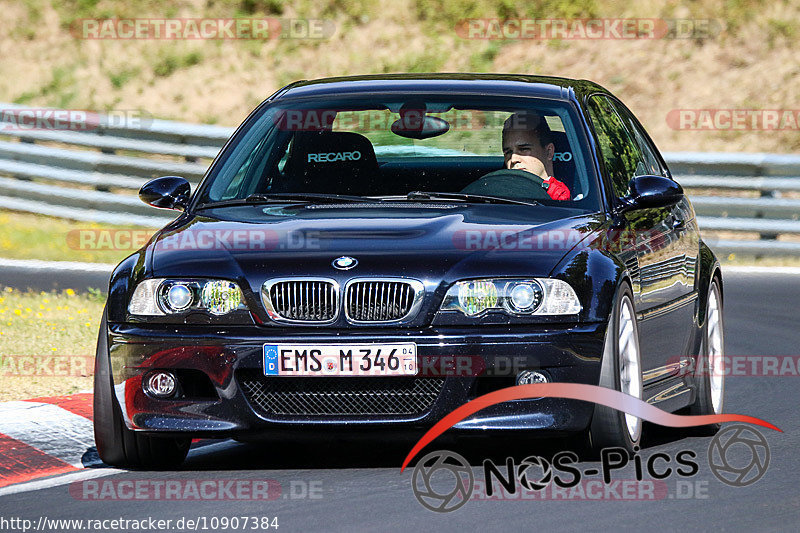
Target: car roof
column 488, row 84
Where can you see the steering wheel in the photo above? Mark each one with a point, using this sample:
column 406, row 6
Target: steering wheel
column 509, row 183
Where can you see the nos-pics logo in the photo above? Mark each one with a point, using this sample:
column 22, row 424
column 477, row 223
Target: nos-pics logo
column 444, row 481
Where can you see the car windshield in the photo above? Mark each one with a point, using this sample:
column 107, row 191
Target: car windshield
column 396, row 147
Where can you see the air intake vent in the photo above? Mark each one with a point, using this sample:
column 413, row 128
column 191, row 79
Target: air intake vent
column 337, row 396
column 301, row 300
column 382, row 300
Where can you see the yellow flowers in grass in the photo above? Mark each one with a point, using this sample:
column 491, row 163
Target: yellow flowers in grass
column 62, row 321
column 63, row 324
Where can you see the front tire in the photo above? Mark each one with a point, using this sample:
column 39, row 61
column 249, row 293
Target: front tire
column 710, row 371
column 621, row 371
column 116, row 444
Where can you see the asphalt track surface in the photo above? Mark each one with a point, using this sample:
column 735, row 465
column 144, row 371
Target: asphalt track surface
column 358, row 485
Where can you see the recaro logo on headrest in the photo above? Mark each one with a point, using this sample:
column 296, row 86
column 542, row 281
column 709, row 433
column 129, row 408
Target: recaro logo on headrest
column 334, row 156
column 562, row 156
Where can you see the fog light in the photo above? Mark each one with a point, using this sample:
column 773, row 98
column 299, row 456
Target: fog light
column 529, row 377
column 161, row 384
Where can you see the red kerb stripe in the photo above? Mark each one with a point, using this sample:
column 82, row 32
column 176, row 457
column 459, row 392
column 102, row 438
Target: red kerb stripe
column 20, row 462
column 80, row 404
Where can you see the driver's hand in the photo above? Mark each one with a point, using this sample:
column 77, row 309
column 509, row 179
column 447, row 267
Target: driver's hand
column 529, row 164
column 557, row 190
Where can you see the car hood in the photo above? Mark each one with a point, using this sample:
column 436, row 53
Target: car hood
column 430, row 242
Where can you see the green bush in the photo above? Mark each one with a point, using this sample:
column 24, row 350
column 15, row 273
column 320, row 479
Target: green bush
column 173, row 61
column 451, row 11
column 118, row 79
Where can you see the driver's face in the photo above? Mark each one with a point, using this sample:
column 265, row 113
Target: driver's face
column 522, row 151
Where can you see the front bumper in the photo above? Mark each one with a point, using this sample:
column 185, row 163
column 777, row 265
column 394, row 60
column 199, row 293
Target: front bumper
column 493, row 356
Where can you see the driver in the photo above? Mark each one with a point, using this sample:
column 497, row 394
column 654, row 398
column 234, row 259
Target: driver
column 527, row 146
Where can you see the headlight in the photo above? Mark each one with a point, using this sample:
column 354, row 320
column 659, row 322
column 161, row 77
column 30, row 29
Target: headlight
column 525, row 297
column 518, row 297
column 474, row 297
column 158, row 297
column 220, row 297
column 143, row 301
column 179, row 297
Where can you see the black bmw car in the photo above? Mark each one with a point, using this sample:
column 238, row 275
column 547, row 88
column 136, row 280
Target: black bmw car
column 368, row 253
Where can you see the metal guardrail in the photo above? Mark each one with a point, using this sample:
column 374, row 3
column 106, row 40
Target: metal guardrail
column 91, row 175
column 733, row 164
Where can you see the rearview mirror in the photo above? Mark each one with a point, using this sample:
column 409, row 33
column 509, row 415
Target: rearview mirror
column 652, row 191
column 167, row 192
column 415, row 123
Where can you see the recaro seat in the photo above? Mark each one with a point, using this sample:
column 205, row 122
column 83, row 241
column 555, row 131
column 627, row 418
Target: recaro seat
column 564, row 162
column 331, row 162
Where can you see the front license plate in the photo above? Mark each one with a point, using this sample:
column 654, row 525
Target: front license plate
column 340, row 359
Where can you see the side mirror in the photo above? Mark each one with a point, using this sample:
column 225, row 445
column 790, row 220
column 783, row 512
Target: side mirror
column 167, row 192
column 652, row 191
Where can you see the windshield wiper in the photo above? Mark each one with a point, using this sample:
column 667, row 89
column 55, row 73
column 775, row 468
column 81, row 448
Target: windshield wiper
column 321, row 198
column 304, row 197
column 478, row 198
column 287, row 197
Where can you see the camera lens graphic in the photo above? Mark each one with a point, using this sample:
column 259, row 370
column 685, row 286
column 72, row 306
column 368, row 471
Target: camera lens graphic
column 738, row 455
column 442, row 481
column 526, row 473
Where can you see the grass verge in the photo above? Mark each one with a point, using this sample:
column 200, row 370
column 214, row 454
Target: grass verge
column 47, row 342
column 27, row 236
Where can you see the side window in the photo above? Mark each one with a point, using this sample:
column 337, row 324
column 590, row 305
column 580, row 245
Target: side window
column 651, row 162
column 622, row 158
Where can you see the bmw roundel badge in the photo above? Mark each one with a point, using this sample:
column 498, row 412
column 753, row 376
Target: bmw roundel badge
column 345, row 262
